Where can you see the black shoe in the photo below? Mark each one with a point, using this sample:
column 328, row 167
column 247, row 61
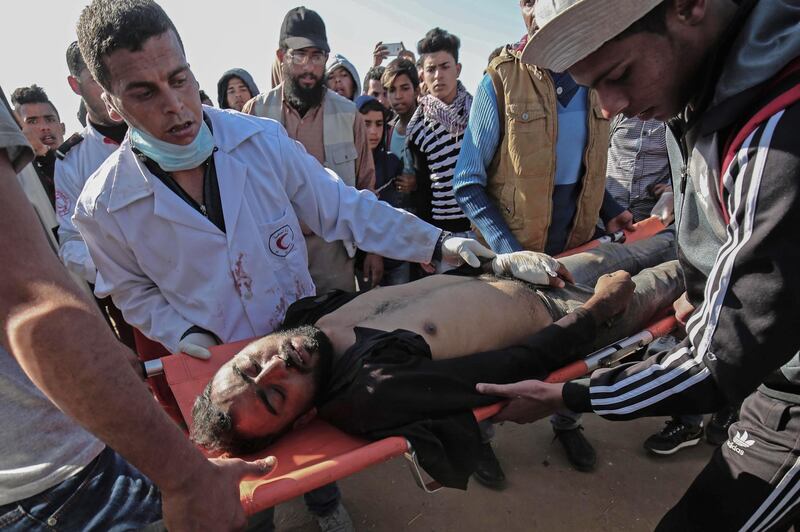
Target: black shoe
column 675, row 436
column 580, row 452
column 717, row 428
column 488, row 471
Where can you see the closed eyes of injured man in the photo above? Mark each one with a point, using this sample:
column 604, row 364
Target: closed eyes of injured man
column 401, row 360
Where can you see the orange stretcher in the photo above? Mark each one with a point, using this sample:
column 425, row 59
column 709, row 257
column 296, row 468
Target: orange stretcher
column 318, row 453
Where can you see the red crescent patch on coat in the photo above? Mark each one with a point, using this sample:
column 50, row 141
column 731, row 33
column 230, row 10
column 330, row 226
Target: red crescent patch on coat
column 281, row 242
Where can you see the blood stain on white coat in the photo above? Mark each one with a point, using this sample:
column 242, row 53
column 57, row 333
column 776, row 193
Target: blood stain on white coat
column 241, row 279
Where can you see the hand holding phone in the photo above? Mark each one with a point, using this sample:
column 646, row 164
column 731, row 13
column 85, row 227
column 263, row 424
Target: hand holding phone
column 394, row 48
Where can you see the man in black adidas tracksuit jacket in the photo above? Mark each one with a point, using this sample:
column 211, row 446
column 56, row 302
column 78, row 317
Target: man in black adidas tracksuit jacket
column 731, row 71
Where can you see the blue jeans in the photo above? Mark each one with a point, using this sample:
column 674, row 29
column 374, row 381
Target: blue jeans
column 108, row 494
column 588, row 266
column 658, row 278
column 654, row 289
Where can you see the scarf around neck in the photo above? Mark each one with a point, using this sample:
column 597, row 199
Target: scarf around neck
column 452, row 117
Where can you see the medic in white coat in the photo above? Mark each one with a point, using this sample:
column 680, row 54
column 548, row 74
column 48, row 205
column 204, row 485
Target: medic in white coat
column 169, row 269
column 78, row 158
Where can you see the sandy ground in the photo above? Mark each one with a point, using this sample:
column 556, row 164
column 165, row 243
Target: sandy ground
column 629, row 490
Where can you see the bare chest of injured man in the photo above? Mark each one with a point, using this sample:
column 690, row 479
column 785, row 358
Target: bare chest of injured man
column 456, row 316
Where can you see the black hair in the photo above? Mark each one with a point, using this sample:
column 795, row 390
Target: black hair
column 439, row 40
column 109, row 25
column 495, row 53
column 204, row 97
column 301, row 98
column 32, row 94
column 213, row 429
column 375, row 73
column 398, row 67
column 82, row 112
column 75, row 62
column 655, row 21
column 373, row 105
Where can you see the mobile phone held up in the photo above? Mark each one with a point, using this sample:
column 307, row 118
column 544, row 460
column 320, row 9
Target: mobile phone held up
column 394, row 48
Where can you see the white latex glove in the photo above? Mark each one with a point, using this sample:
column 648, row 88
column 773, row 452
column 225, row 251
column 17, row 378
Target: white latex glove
column 457, row 250
column 665, row 208
column 196, row 344
column 532, row 267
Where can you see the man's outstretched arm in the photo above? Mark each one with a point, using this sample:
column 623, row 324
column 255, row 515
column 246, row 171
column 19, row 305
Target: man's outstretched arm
column 62, row 343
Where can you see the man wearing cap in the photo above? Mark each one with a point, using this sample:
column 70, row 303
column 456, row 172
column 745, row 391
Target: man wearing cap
column 531, row 176
column 727, row 77
column 327, row 125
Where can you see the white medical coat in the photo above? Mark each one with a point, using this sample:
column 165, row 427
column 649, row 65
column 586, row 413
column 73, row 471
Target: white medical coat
column 169, row 268
column 70, row 175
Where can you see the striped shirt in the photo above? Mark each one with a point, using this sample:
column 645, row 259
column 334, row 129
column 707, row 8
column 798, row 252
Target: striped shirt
column 637, row 160
column 441, row 150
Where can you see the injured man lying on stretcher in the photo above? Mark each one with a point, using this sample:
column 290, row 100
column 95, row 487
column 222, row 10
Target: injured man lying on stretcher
column 404, row 360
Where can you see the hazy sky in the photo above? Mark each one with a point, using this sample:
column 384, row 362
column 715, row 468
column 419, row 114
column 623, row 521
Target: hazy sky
column 244, row 33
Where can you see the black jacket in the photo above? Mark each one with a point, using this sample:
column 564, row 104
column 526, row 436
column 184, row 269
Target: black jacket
column 741, row 273
column 386, row 384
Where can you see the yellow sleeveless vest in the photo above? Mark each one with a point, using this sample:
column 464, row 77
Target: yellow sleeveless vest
column 522, row 173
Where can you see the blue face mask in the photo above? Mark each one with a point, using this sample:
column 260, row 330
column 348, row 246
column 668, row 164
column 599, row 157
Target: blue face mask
column 174, row 157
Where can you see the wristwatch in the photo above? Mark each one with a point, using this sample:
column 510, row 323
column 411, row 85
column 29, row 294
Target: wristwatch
column 437, row 250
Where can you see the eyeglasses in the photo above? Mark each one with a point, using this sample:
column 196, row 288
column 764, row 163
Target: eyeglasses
column 301, row 58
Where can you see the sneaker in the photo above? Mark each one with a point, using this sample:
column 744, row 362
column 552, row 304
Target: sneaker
column 487, row 469
column 675, row 436
column 580, row 452
column 336, row 521
column 717, row 428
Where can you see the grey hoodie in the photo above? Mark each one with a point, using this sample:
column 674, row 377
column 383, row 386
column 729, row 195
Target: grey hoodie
column 768, row 41
column 338, row 60
column 222, row 85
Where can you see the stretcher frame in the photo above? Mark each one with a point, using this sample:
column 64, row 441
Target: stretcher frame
column 318, row 453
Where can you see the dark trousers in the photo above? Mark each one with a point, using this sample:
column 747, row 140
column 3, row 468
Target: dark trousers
column 753, row 480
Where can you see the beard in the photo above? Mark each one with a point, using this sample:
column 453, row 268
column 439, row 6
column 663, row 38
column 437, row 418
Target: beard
column 302, row 99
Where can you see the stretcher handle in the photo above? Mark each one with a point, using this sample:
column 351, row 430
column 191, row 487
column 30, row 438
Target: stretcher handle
column 580, row 368
column 153, row 367
column 569, row 372
column 663, row 326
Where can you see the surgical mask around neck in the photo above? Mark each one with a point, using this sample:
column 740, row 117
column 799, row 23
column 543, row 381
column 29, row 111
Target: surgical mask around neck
column 174, row 157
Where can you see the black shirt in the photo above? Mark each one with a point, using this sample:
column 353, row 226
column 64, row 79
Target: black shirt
column 212, row 202
column 387, row 384
column 45, row 166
